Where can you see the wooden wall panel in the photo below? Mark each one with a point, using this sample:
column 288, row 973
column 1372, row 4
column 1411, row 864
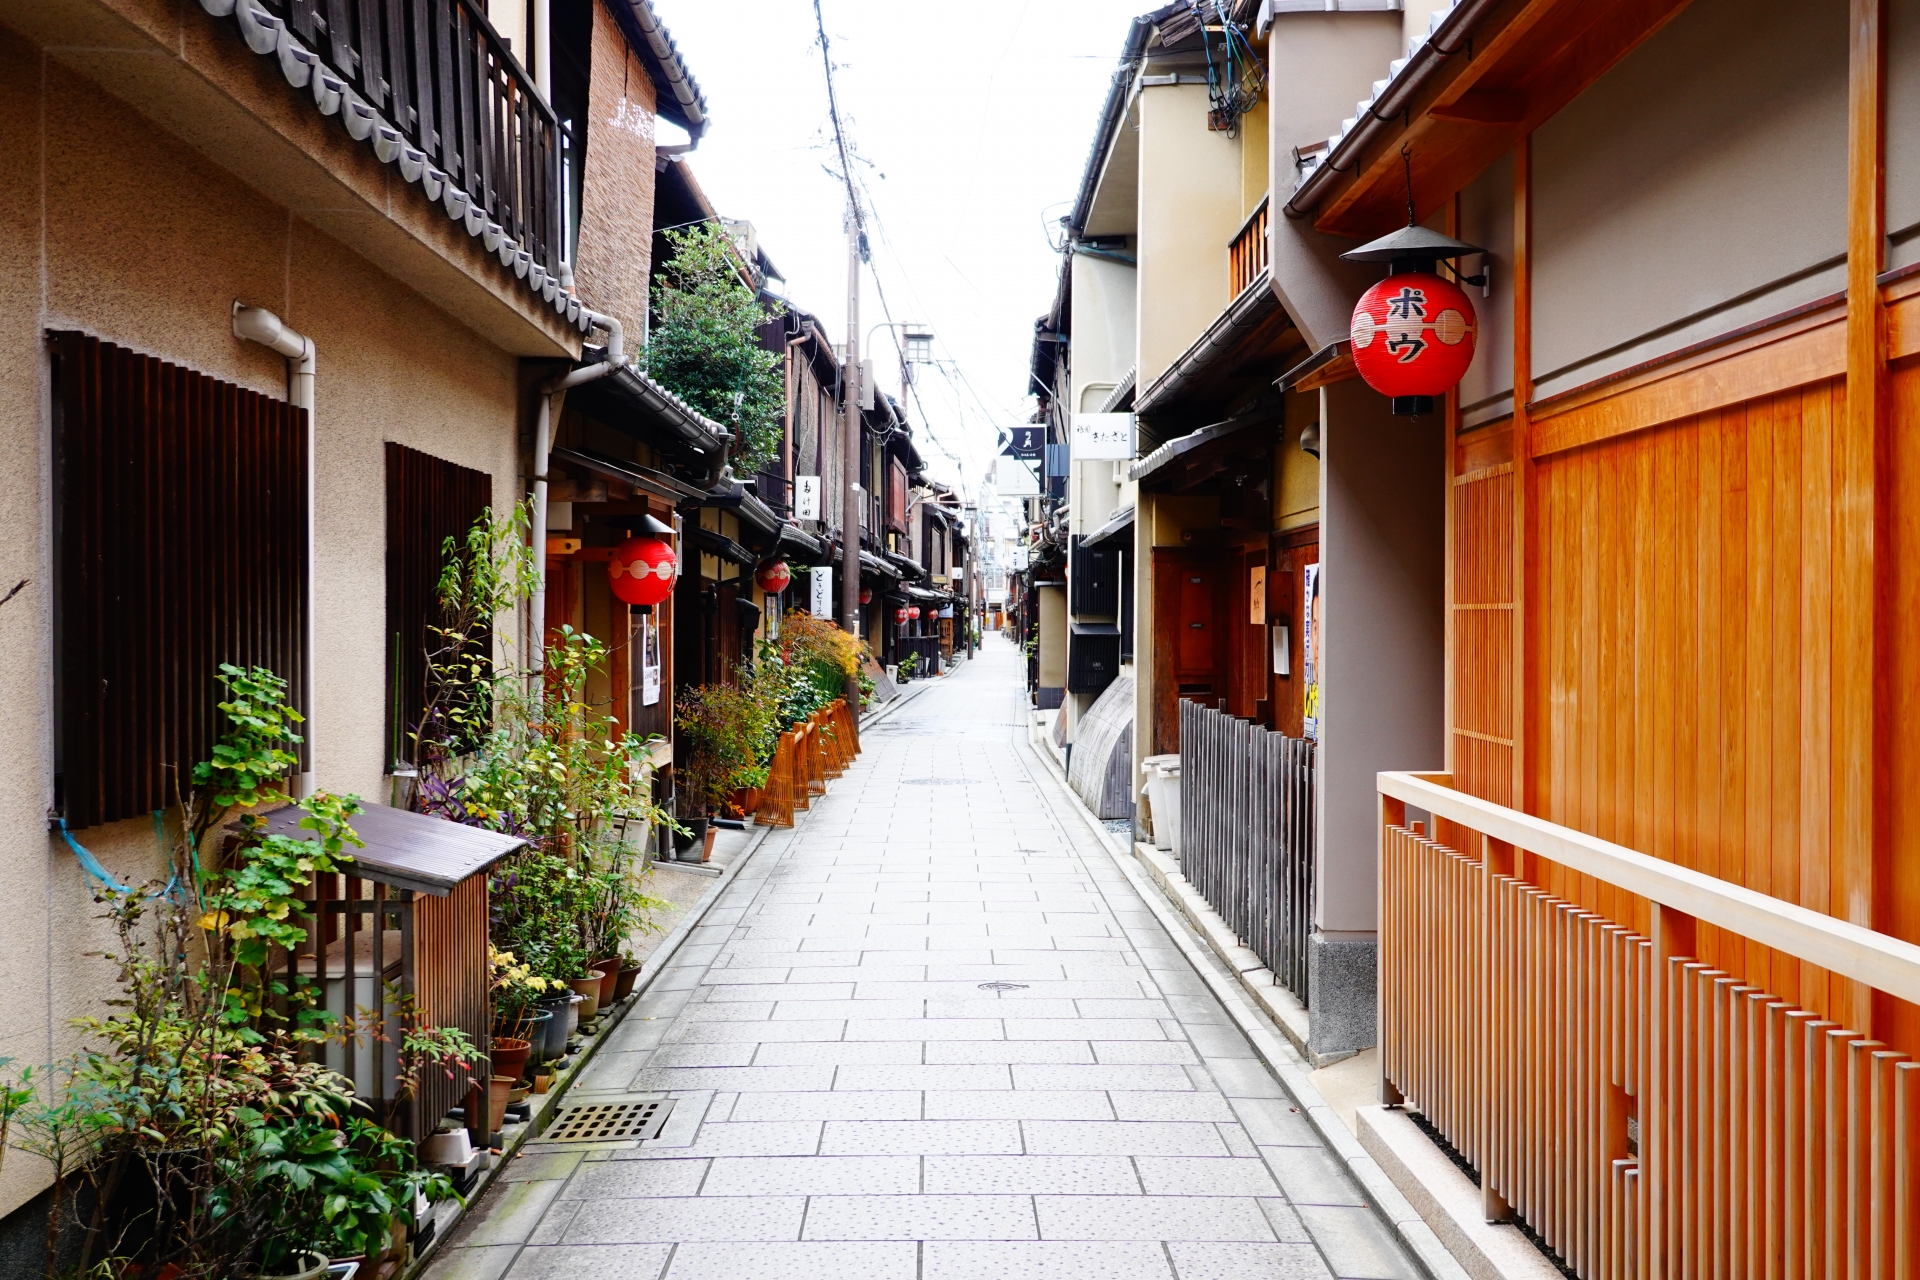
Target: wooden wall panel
column 1481, row 719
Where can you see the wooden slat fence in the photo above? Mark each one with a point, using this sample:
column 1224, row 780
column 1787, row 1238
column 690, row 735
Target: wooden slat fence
column 1645, row 1114
column 807, row 755
column 1246, row 833
column 1248, row 251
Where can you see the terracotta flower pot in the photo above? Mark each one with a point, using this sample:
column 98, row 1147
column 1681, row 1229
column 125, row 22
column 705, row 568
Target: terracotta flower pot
column 713, row 833
column 588, row 989
column 623, row 987
column 498, row 1088
column 314, row 1266
column 609, row 971
column 510, row 1056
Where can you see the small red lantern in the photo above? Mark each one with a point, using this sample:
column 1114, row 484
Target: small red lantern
column 773, row 578
column 1413, row 336
column 913, row 611
column 900, row 614
column 641, row 571
column 866, row 595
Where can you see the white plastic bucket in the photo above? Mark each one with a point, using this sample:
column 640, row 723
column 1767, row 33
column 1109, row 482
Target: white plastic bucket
column 1162, row 775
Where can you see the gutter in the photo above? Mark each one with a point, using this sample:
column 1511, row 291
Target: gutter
column 680, row 83
column 1256, row 303
column 1451, row 33
column 257, row 324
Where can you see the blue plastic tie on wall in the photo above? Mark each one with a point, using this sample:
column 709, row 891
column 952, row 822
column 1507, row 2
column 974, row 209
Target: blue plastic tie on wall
column 91, row 865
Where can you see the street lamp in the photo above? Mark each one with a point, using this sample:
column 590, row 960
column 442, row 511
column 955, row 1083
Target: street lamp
column 916, row 347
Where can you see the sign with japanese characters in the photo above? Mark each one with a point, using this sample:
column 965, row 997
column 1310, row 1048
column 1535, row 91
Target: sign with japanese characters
column 806, row 497
column 821, row 605
column 1102, row 435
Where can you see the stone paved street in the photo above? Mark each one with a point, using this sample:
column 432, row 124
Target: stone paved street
column 934, row 1033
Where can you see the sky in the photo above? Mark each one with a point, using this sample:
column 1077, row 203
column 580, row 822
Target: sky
column 972, row 120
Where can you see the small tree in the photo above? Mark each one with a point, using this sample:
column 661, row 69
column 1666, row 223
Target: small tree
column 704, row 346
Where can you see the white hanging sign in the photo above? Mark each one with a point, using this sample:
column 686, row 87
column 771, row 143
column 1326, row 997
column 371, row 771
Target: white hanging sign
column 1102, row 435
column 821, row 605
column 806, row 497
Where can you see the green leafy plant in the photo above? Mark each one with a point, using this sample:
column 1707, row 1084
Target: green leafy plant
column 909, row 666
column 727, row 733
column 703, row 343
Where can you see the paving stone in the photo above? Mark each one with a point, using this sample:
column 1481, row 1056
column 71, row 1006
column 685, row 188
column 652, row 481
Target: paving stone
column 1179, row 1176
column 730, row 1218
column 922, row 1137
column 739, row 1079
column 615, row 1180
column 696, row 1054
column 1019, row 1104
column 1069, row 1076
column 750, row 1138
column 841, row 989
column 1275, row 1122
column 1144, row 1053
column 865, row 1104
column 1244, row 1078
column 921, row 1217
column 1285, row 1222
column 797, row 1260
column 1120, row 1138
column 928, row 1029
column 1313, row 1175
column 1151, row 1217
column 813, row 1176
column 1357, row 1244
column 941, row 1076
column 850, row 1008
column 754, row 1032
column 601, row 1261
column 1175, row 1105
column 1010, row 1051
column 1031, row 1175
column 1240, row 1260
column 488, row 1262
column 837, row 1053
column 1043, row 1260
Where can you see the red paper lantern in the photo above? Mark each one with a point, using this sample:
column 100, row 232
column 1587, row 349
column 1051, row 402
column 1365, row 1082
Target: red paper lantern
column 773, row 578
column 1413, row 336
column 640, row 571
column 866, row 595
column 913, row 611
column 900, row 614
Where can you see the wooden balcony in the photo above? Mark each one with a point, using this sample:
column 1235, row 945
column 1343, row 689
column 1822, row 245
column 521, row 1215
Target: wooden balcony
column 1247, row 253
column 1645, row 1114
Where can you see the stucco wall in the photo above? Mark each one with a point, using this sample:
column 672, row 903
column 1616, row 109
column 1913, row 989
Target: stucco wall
column 1188, row 179
column 615, row 255
column 115, row 227
column 1698, row 186
column 1105, row 324
column 1903, row 131
column 1486, row 219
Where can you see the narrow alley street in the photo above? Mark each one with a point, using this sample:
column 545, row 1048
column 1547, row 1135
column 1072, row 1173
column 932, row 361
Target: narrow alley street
column 933, row 1032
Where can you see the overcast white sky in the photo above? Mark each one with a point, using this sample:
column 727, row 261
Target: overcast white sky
column 974, row 117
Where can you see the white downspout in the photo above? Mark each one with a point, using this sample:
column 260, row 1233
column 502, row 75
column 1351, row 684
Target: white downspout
column 543, row 456
column 543, row 49
column 257, row 324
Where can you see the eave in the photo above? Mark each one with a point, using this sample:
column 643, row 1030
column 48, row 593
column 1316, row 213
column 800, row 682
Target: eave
column 1520, row 63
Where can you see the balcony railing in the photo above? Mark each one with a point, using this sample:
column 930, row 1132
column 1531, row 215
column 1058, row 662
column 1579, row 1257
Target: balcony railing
column 1645, row 1113
column 1246, row 833
column 434, row 90
column 1247, row 252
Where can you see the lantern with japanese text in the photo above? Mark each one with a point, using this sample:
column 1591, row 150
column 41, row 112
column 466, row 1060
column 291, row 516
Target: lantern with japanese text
column 641, row 571
column 1413, row 333
column 773, row 578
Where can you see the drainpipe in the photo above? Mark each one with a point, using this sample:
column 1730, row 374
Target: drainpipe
column 543, row 49
column 543, row 455
column 257, row 324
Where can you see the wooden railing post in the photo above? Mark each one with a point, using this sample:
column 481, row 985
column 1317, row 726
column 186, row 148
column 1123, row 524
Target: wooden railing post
column 1496, row 859
column 1393, row 813
column 1674, row 940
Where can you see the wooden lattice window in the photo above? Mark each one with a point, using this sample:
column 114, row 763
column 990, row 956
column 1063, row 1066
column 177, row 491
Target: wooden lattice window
column 181, row 542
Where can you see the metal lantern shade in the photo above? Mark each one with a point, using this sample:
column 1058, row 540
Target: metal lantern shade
column 773, row 578
column 641, row 571
column 1413, row 335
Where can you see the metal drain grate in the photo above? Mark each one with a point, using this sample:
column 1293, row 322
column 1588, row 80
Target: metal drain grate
column 610, row 1121
column 1003, row 986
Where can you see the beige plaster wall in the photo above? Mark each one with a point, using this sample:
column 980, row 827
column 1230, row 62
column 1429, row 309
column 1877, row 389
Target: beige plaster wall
column 1105, row 327
column 615, row 255
column 110, row 225
column 1296, row 474
column 1486, row 219
column 1698, row 186
column 1189, row 210
column 1053, row 637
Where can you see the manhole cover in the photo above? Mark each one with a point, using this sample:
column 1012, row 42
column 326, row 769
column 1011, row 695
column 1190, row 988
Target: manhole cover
column 1003, row 986
column 939, row 782
column 609, row 1121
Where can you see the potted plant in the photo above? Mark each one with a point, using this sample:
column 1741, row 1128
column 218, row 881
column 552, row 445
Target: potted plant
column 629, row 974
column 727, row 732
column 516, row 992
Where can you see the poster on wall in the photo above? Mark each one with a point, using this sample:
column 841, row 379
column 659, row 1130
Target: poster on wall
column 821, row 605
column 1257, row 595
column 649, row 659
column 1310, row 589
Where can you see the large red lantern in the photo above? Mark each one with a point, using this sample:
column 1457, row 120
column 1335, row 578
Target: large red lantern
column 1413, row 335
column 773, row 578
column 641, row 571
column 900, row 614
column 913, row 611
column 866, row 595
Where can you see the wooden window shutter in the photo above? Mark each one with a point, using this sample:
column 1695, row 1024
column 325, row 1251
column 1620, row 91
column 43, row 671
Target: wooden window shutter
column 181, row 541
column 428, row 501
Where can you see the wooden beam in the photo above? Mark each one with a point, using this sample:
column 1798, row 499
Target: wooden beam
column 1860, row 836
column 1525, row 713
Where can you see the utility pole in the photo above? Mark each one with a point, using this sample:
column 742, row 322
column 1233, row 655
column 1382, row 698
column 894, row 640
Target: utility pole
column 850, row 394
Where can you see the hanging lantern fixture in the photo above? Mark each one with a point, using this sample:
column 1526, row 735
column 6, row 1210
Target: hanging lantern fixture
column 866, row 595
column 773, row 578
column 900, row 615
column 641, row 571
